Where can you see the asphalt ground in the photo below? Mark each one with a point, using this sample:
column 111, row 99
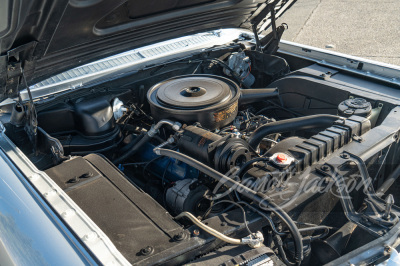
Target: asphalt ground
column 365, row 28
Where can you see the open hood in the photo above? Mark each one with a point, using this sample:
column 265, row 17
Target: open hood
column 44, row 38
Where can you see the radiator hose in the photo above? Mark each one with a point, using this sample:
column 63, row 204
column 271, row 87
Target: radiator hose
column 293, row 124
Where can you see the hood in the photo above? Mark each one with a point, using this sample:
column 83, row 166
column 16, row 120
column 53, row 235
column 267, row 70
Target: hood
column 44, row 37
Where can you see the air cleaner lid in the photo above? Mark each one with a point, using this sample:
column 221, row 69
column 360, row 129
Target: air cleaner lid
column 194, row 92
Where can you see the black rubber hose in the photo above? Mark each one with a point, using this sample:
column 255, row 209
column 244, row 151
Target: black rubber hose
column 259, row 198
column 269, row 219
column 279, row 243
column 298, row 123
column 143, row 140
column 247, row 164
column 130, row 144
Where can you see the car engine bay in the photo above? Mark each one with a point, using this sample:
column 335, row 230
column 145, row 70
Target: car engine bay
column 229, row 157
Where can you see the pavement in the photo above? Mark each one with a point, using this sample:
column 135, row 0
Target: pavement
column 364, row 28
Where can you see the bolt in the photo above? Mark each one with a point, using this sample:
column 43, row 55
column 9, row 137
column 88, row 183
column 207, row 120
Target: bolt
column 357, row 138
column 387, row 250
column 87, row 175
column 196, row 232
column 73, row 180
column 179, row 237
column 325, row 168
column 223, row 224
column 147, row 250
column 345, row 156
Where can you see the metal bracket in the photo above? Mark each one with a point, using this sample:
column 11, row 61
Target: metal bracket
column 31, row 125
column 269, row 8
column 372, row 218
column 327, row 75
column 52, row 144
column 16, row 61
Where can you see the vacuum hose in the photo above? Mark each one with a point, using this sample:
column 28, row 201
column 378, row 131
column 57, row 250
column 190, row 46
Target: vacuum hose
column 299, row 123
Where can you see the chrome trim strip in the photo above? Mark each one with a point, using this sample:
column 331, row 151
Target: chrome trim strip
column 128, row 62
column 131, row 61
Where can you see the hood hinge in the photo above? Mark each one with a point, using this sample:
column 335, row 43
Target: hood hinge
column 255, row 21
column 269, row 44
column 17, row 61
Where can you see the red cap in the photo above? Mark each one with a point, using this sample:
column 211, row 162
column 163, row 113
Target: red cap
column 281, row 157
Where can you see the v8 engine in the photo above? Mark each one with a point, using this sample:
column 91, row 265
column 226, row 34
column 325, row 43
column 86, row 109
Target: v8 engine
column 174, row 165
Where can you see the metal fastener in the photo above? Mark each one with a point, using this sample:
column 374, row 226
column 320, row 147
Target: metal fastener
column 147, row 250
column 344, row 156
column 179, row 237
column 325, row 168
column 196, row 232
